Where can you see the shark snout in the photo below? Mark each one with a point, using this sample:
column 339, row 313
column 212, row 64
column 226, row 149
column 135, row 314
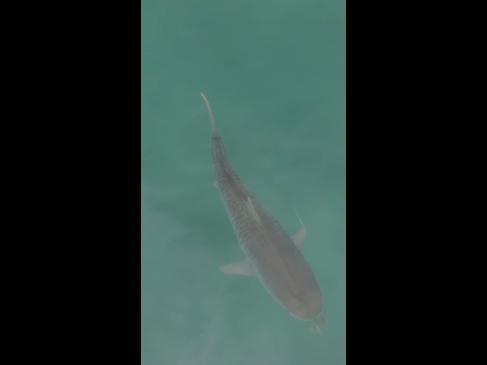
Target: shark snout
column 309, row 306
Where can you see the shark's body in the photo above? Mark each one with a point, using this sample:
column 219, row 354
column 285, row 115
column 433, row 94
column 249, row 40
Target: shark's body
column 271, row 255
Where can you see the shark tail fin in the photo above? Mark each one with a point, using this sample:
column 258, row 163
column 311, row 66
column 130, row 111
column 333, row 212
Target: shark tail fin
column 210, row 113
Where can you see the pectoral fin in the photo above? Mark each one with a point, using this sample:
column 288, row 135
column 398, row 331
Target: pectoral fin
column 299, row 237
column 243, row 267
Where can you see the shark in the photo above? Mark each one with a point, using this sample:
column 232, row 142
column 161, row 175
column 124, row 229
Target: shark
column 270, row 254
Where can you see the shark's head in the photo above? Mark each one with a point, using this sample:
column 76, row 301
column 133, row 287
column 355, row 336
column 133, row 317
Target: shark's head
column 308, row 307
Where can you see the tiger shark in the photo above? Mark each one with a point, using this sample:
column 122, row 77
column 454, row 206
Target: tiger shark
column 271, row 255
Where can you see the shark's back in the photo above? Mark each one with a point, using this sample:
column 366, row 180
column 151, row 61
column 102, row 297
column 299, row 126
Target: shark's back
column 275, row 258
column 278, row 262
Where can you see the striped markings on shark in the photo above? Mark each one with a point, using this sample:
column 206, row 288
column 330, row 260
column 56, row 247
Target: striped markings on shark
column 270, row 254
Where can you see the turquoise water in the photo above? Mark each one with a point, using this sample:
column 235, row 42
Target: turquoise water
column 274, row 72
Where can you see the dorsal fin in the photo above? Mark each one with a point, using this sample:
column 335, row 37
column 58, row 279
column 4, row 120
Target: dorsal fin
column 252, row 211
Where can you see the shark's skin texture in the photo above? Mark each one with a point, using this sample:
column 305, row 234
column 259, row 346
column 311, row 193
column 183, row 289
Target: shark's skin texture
column 271, row 255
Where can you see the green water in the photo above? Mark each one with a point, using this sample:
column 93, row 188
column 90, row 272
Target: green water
column 274, row 72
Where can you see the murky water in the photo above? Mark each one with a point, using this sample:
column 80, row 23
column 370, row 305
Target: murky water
column 274, row 72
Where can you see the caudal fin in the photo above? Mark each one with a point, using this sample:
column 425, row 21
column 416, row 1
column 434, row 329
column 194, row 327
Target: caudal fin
column 210, row 113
